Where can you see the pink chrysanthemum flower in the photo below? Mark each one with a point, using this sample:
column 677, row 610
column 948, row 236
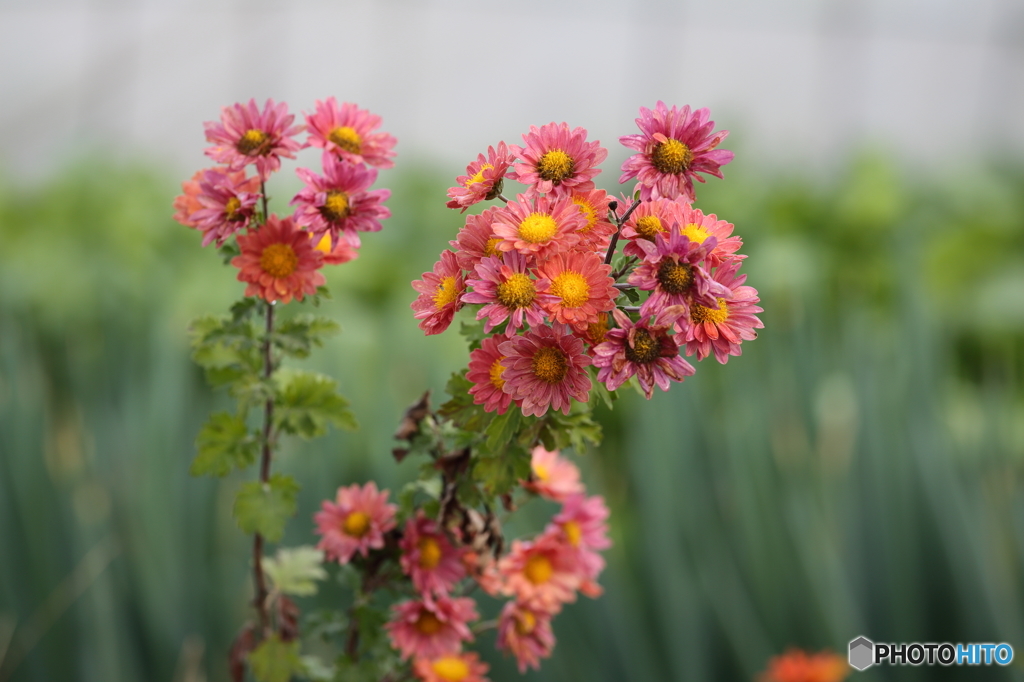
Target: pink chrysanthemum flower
column 278, row 262
column 338, row 203
column 503, row 284
column 648, row 220
column 545, row 367
column 431, row 628
column 342, row 252
column 646, row 349
column 228, row 204
column 554, row 476
column 721, row 330
column 441, row 294
column 348, row 131
column 798, row 666
column 188, row 203
column 526, row 633
column 582, row 524
column 539, row 226
column 482, row 568
column 674, row 146
column 476, row 240
column 434, row 564
column 356, row 522
column 542, row 574
column 557, row 160
column 487, row 374
column 697, row 227
column 453, row 667
column 483, row 178
column 597, row 231
column 247, row 135
column 581, row 285
column 672, row 272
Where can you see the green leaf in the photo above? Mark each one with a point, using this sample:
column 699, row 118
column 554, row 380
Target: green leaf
column 265, row 507
column 601, row 391
column 223, row 443
column 275, row 660
column 306, row 402
column 298, row 336
column 575, row 429
column 316, row 670
column 431, row 487
column 501, row 430
column 295, row 571
column 461, row 409
column 473, row 332
column 498, row 474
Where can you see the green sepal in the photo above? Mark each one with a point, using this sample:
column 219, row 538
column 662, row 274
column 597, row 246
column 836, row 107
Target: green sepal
column 223, row 443
column 275, row 660
column 306, row 402
column 264, row 508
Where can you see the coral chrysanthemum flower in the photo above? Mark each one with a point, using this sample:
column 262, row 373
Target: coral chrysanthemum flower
column 476, row 240
column 452, row 667
column 228, row 204
column 509, row 293
column 347, row 131
column 582, row 524
column 646, row 349
column 597, row 231
column 440, row 296
column 338, row 203
column 581, row 285
column 342, row 252
column 356, row 522
column 486, row 372
column 672, row 272
column 697, row 227
column 483, row 178
column 646, row 221
column 722, row 329
column 799, row 666
column 431, row 629
column 557, row 160
column 542, row 574
column 539, row 226
column 674, row 146
column 278, row 262
column 545, row 367
column 526, row 633
column 247, row 135
column 554, row 476
column 188, row 203
column 429, row 557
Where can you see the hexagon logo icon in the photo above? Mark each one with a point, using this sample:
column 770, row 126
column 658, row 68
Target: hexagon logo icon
column 862, row 652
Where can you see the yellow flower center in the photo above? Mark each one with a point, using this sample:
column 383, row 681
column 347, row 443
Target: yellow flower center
column 335, row 206
column 450, row 668
column 572, row 288
column 572, row 532
column 541, row 472
column 537, row 228
column 427, row 623
column 324, row 244
column 497, row 370
column 356, row 524
column 253, row 143
column 645, row 349
column 479, row 177
column 555, row 166
column 525, row 622
column 346, row 138
column 648, row 226
column 518, row 291
column 597, row 330
column 695, row 233
column 279, row 260
column 699, row 313
column 588, row 211
column 675, row 278
column 446, row 292
column 538, row 569
column 550, row 365
column 671, row 156
column 491, row 249
column 430, row 553
column 231, row 210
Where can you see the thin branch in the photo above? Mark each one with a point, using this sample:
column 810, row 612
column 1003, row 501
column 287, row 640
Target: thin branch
column 615, row 237
column 260, row 600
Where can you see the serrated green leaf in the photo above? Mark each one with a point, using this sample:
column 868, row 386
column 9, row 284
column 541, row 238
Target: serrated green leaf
column 498, row 474
column 298, row 336
column 275, row 660
column 632, row 294
column 502, row 428
column 223, row 443
column 306, row 402
column 574, row 430
column 460, row 409
column 264, row 508
column 316, row 670
column 295, row 571
column 601, row 391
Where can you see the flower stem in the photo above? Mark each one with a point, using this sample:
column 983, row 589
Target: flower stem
column 268, row 416
column 615, row 237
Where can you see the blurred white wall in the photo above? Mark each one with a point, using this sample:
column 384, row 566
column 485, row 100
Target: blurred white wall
column 797, row 81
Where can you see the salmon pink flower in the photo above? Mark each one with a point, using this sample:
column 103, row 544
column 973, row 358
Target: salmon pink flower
column 483, row 178
column 431, row 628
column 247, row 135
column 509, row 293
column 674, row 146
column 799, row 666
column 723, row 328
column 697, row 227
column 582, row 524
column 596, row 232
column 342, row 252
column 338, row 203
column 557, row 160
column 486, row 372
column 476, row 240
column 554, row 476
column 545, row 367
column 453, row 667
column 672, row 271
column 646, row 349
column 542, row 574
column 228, row 204
column 347, row 131
column 581, row 286
column 429, row 557
column 539, row 226
column 525, row 632
column 647, row 220
column 188, row 203
column 356, row 522
column 482, row 568
column 440, row 296
column 278, row 262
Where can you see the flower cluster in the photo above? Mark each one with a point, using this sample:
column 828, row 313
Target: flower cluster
column 551, row 289
column 279, row 258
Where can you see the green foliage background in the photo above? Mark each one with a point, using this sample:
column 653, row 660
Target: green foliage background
column 857, row 471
